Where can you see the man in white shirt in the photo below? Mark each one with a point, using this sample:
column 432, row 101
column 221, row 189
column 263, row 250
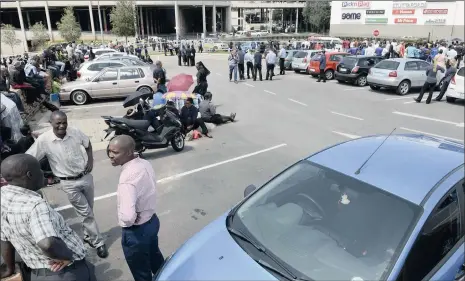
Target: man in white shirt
column 249, row 62
column 370, row 51
column 11, row 118
column 451, row 54
column 282, row 57
column 270, row 63
column 70, row 51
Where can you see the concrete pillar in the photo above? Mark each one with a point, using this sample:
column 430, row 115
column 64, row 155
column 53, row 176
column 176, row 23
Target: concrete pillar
column 100, row 21
column 271, row 21
column 21, row 23
column 204, row 20
column 151, row 22
column 91, row 15
column 136, row 29
column 105, row 26
column 49, row 24
column 214, row 18
column 141, row 16
column 28, row 19
column 176, row 19
column 297, row 21
column 147, row 11
column 227, row 20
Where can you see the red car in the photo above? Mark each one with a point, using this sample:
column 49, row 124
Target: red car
column 332, row 60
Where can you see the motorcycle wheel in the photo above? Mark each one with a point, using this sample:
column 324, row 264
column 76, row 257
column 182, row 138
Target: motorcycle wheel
column 177, row 142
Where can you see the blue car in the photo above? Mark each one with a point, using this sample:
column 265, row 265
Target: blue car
column 374, row 208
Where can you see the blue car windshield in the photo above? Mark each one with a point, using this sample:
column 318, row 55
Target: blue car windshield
column 328, row 226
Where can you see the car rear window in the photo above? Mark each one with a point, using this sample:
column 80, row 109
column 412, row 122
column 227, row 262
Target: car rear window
column 300, row 55
column 387, row 64
column 349, row 61
column 461, row 72
column 316, row 57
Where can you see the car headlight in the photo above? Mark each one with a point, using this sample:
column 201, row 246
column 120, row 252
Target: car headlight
column 160, row 270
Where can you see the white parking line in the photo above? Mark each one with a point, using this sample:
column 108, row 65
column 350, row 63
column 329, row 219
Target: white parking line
column 218, row 74
column 301, row 103
column 428, row 118
column 266, row 91
column 431, row 134
column 354, row 89
column 74, row 107
column 346, row 135
column 177, row 176
column 401, row 98
column 250, row 85
column 408, row 102
column 348, row 116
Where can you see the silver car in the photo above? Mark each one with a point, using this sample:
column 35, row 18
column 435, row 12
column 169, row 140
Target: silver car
column 90, row 68
column 109, row 83
column 302, row 59
column 400, row 74
column 112, row 55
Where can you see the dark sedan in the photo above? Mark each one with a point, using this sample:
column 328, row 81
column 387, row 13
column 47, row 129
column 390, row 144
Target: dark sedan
column 354, row 69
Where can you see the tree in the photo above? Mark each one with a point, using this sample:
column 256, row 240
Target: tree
column 122, row 18
column 69, row 28
column 39, row 35
column 318, row 14
column 9, row 36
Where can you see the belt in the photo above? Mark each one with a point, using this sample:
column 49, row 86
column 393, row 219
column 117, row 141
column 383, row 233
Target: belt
column 47, row 272
column 73, row 178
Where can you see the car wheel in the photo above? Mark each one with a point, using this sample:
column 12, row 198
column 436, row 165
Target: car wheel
column 450, row 99
column 403, row 88
column 373, row 87
column 296, row 71
column 144, row 89
column 329, row 74
column 79, row 97
column 362, row 81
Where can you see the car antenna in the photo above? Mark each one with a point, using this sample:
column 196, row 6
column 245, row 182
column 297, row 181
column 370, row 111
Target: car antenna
column 369, row 157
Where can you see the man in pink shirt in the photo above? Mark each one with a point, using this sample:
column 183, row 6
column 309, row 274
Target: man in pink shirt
column 136, row 209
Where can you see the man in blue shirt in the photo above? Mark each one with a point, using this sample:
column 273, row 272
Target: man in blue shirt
column 322, row 67
column 189, row 118
column 410, row 51
column 379, row 51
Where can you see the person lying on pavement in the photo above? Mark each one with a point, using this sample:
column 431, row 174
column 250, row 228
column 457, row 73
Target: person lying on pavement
column 208, row 112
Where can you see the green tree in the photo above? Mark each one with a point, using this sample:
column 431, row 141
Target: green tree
column 9, row 36
column 39, row 35
column 122, row 18
column 69, row 28
column 317, row 14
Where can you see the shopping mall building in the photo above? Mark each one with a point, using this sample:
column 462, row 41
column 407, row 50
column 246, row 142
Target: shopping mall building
column 398, row 19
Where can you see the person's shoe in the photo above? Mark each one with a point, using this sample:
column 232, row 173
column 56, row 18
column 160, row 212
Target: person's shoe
column 87, row 241
column 232, row 116
column 437, row 99
column 102, row 251
column 417, row 100
column 208, row 135
column 324, row 81
column 235, row 81
column 318, row 80
column 428, row 101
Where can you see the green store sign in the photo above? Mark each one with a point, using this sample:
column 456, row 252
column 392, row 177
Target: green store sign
column 376, row 20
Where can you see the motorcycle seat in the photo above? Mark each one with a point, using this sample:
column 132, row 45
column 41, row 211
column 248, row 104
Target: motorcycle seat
column 136, row 124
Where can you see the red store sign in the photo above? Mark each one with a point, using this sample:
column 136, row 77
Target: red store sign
column 405, row 20
column 404, row 12
column 435, row 11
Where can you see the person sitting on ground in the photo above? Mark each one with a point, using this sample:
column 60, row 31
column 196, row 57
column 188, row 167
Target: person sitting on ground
column 208, row 112
column 189, row 118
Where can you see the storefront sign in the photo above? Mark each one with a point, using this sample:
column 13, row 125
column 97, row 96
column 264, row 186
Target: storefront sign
column 409, row 5
column 375, row 12
column 435, row 11
column 404, row 12
column 436, row 21
column 356, row 4
column 376, row 20
column 351, row 16
column 405, row 20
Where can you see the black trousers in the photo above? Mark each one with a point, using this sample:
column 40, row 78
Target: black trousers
column 443, row 90
column 269, row 71
column 249, row 69
column 217, row 119
column 281, row 67
column 79, row 270
column 240, row 66
column 179, row 60
column 427, row 87
column 197, row 123
column 257, row 69
column 322, row 75
column 192, row 60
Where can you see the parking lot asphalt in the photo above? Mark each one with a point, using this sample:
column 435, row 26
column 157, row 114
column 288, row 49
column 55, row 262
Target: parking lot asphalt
column 278, row 123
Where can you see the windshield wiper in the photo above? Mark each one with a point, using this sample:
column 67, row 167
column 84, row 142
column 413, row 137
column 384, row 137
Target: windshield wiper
column 286, row 274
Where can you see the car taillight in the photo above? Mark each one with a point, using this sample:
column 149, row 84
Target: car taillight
column 452, row 81
column 393, row 74
column 78, row 74
column 355, row 69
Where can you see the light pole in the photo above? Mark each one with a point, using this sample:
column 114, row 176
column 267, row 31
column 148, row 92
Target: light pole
column 100, row 20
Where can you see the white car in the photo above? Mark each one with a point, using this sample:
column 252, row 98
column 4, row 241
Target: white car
column 99, row 52
column 456, row 88
column 111, row 55
column 91, row 68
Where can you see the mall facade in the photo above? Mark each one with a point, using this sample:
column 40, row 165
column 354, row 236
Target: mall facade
column 398, row 19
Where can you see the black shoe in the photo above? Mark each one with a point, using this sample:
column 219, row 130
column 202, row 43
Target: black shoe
column 87, row 241
column 437, row 99
column 102, row 251
column 417, row 100
column 428, row 101
column 318, row 80
column 232, row 116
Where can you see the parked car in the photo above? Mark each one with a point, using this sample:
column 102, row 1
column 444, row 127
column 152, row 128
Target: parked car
column 301, row 60
column 90, row 68
column 400, row 74
column 328, row 217
column 113, row 55
column 456, row 86
column 289, row 58
column 99, row 52
column 133, row 61
column 354, row 69
column 332, row 60
column 109, row 83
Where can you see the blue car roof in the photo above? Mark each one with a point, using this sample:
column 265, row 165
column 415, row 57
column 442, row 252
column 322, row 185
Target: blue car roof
column 408, row 166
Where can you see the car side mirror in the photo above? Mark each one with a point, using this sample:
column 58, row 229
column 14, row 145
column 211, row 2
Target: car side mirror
column 249, row 189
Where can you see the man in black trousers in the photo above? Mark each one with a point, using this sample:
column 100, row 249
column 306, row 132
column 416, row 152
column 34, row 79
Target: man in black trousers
column 257, row 65
column 322, row 75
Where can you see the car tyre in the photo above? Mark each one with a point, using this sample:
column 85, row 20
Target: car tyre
column 361, row 81
column 403, row 88
column 144, row 89
column 450, row 99
column 373, row 87
column 329, row 74
column 79, row 97
column 296, row 70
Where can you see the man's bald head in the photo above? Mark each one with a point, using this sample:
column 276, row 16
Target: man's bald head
column 121, row 150
column 57, row 114
column 23, row 170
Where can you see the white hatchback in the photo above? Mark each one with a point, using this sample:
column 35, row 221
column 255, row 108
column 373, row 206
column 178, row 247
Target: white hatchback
column 456, row 88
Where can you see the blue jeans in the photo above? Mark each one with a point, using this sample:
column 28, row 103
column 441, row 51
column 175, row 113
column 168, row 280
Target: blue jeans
column 140, row 248
column 233, row 69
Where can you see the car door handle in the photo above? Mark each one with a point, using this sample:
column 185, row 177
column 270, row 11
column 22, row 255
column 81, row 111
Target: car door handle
column 136, row 81
column 114, row 83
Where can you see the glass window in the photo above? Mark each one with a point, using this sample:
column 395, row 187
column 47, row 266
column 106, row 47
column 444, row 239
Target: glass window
column 422, row 65
column 326, row 225
column 133, row 62
column 388, row 65
column 300, row 55
column 336, row 57
column 109, row 75
column 142, row 74
column 98, row 66
column 116, row 55
column 439, row 235
column 116, row 64
column 129, row 73
column 349, row 61
column 411, row 65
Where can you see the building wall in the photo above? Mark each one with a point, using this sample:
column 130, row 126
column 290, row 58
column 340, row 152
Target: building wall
column 400, row 19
